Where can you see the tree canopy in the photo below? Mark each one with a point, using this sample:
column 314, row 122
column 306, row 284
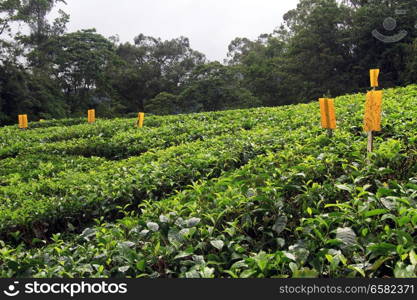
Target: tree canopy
column 322, row 47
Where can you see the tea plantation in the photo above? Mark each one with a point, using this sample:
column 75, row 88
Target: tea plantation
column 247, row 193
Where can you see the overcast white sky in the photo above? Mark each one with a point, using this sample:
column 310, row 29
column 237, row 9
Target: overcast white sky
column 209, row 24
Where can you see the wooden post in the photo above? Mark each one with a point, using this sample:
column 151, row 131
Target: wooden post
column 370, row 141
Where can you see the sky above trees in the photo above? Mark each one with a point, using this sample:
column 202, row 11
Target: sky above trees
column 210, row 25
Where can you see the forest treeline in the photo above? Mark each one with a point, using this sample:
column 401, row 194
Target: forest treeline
column 322, row 47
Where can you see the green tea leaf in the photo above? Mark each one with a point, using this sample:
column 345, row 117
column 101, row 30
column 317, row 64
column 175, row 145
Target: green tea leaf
column 218, row 244
column 346, row 235
column 404, row 271
column 280, row 224
column 375, row 212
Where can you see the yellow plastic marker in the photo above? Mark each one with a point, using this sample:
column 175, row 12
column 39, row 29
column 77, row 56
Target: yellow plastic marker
column 373, row 110
column 374, row 74
column 328, row 115
column 23, row 121
column 141, row 119
column 91, row 116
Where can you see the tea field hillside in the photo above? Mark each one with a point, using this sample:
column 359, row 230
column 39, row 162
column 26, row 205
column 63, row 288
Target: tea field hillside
column 261, row 192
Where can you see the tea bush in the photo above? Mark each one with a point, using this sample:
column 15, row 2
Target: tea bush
column 258, row 193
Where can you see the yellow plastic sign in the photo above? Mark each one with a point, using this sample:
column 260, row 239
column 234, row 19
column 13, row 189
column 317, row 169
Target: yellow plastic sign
column 374, row 74
column 23, row 121
column 141, row 119
column 373, row 110
column 328, row 115
column 91, row 116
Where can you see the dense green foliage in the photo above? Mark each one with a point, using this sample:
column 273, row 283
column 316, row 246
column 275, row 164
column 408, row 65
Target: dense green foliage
column 262, row 192
column 322, row 47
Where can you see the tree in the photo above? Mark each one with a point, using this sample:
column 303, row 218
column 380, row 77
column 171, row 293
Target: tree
column 318, row 56
column 153, row 66
column 327, row 46
column 34, row 14
column 9, row 12
column 164, row 104
column 260, row 65
column 370, row 52
column 13, row 92
column 410, row 73
column 79, row 63
column 214, row 86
